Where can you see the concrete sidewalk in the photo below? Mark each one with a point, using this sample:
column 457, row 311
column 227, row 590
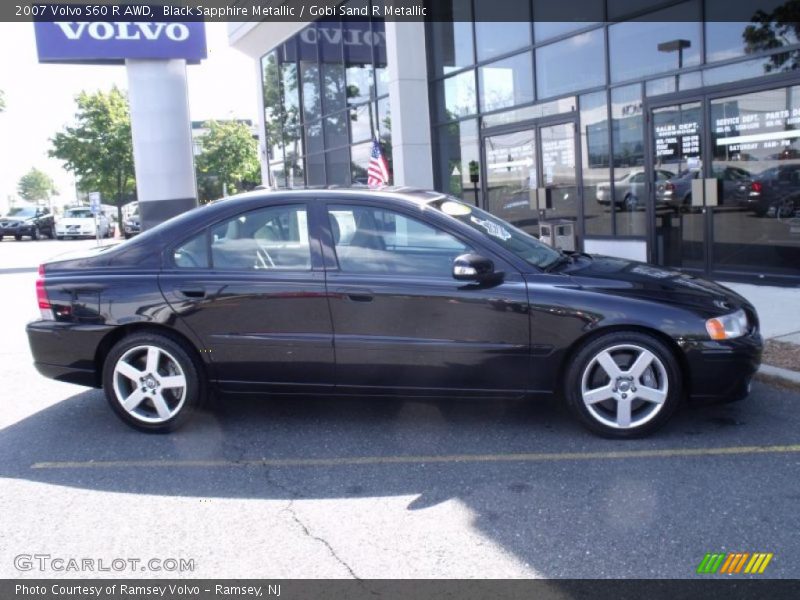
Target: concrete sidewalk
column 779, row 311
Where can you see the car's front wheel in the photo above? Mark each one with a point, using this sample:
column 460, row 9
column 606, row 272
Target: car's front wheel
column 623, row 384
column 152, row 382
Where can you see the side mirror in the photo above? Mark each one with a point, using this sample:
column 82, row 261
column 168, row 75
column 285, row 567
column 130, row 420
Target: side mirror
column 473, row 267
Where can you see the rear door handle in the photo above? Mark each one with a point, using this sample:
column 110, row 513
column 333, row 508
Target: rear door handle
column 357, row 294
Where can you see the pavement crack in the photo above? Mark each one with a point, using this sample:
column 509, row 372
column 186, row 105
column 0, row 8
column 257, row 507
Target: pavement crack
column 307, row 532
column 292, row 494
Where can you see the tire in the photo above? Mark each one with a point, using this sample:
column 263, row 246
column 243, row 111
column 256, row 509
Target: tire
column 126, row 368
column 35, row 234
column 631, row 203
column 60, row 237
column 18, row 238
column 595, row 398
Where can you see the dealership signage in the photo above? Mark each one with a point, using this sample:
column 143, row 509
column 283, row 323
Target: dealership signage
column 114, row 41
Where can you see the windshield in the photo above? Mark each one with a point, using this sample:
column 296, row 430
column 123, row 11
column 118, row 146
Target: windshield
column 509, row 237
column 78, row 213
column 22, row 211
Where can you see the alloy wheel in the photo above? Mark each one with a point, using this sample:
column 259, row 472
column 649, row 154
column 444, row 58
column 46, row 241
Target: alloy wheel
column 624, row 386
column 149, row 384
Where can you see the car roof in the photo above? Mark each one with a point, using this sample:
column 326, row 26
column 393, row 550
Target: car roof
column 412, row 195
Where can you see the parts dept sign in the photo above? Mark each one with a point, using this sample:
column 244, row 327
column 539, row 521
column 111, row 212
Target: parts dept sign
column 114, row 41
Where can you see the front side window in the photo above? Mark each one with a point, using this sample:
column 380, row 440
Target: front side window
column 369, row 239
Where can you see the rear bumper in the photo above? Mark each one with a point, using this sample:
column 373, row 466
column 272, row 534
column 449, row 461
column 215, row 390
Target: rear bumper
column 67, row 351
column 723, row 371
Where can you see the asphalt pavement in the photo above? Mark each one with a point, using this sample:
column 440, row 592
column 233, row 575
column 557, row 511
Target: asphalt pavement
column 309, row 487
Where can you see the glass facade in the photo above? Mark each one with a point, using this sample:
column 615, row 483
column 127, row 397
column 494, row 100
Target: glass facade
column 540, row 119
column 325, row 97
column 560, row 120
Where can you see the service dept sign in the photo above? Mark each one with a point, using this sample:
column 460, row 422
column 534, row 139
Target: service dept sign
column 114, row 41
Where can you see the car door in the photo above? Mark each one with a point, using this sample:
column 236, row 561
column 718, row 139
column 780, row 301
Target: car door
column 251, row 287
column 402, row 322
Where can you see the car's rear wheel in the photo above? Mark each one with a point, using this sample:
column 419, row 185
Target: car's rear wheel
column 152, row 382
column 623, row 384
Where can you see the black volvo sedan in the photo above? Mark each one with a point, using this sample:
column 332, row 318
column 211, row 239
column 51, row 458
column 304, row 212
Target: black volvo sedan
column 393, row 292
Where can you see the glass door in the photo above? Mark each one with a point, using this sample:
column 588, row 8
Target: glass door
column 755, row 159
column 531, row 175
column 726, row 180
column 512, row 178
column 557, row 143
column 678, row 169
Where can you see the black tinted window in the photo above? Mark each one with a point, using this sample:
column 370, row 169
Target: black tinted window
column 271, row 238
column 192, row 254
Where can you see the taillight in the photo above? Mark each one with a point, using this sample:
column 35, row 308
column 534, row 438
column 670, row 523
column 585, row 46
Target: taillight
column 45, row 308
column 755, row 188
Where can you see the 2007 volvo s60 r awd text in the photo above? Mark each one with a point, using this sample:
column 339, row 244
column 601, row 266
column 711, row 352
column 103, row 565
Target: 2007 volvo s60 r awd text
column 391, row 292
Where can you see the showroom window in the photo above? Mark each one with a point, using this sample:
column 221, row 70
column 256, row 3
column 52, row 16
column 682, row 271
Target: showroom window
column 325, row 90
column 584, row 53
column 664, row 40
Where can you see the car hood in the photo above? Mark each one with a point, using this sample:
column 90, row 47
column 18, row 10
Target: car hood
column 649, row 282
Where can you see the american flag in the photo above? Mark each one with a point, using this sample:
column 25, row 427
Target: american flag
column 378, row 170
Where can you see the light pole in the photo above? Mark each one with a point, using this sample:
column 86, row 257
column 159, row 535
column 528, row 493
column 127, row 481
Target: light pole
column 675, row 46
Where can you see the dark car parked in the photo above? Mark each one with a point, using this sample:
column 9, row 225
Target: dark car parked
column 27, row 221
column 383, row 293
column 131, row 226
column 773, row 192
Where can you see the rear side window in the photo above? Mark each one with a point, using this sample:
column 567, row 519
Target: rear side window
column 192, row 254
column 274, row 238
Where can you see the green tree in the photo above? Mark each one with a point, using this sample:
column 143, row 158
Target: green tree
column 228, row 160
column 772, row 30
column 98, row 148
column 36, row 186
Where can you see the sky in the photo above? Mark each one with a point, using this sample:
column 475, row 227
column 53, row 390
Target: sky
column 40, row 100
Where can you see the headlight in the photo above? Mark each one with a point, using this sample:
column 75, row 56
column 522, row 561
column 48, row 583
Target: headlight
column 727, row 326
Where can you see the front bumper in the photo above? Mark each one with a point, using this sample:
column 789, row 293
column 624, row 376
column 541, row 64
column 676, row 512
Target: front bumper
column 67, row 351
column 722, row 371
column 75, row 233
column 16, row 231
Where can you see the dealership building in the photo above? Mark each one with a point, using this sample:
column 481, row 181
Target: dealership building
column 667, row 134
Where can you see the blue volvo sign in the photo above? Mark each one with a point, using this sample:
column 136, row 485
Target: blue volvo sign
column 114, row 41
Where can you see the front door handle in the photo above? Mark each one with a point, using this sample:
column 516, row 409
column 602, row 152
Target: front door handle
column 356, row 294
